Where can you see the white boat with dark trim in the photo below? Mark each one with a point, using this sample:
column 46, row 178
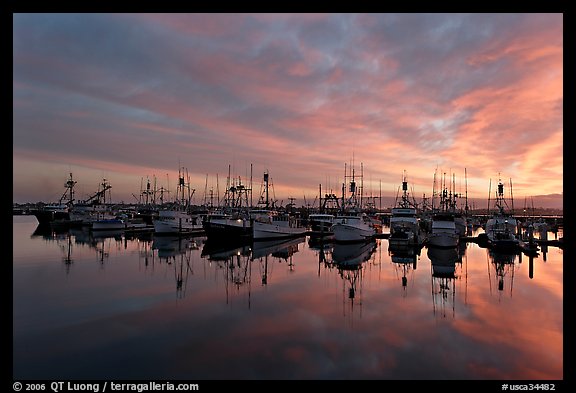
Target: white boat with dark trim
column 352, row 225
column 404, row 222
column 177, row 220
column 271, row 223
column 231, row 222
column 353, row 228
column 502, row 227
column 444, row 232
column 94, row 208
column 275, row 225
column 171, row 222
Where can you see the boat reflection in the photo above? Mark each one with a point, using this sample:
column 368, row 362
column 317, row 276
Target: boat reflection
column 323, row 250
column 280, row 250
column 105, row 233
column 504, row 265
column 67, row 251
column 404, row 258
column 232, row 258
column 352, row 255
column 443, row 265
column 83, row 236
column 348, row 259
column 146, row 253
column 216, row 250
column 176, row 251
column 103, row 244
column 48, row 233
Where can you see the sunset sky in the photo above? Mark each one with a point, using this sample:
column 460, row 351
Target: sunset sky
column 128, row 97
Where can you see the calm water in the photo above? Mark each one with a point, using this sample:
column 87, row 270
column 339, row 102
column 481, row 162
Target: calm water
column 157, row 308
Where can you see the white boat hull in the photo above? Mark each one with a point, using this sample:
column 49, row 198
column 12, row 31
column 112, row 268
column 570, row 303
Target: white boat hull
column 502, row 232
column 162, row 227
column 444, row 232
column 275, row 231
column 349, row 233
column 176, row 222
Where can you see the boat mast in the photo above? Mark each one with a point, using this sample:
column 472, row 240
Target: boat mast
column 361, row 184
column 466, row 192
column 511, row 198
column 266, row 189
column 69, row 185
column 489, row 193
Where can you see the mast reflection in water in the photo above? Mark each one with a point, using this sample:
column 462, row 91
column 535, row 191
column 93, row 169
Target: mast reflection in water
column 135, row 306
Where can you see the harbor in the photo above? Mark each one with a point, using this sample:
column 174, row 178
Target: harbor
column 185, row 306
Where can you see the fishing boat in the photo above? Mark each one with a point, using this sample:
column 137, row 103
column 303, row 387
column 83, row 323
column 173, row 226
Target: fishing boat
column 177, row 219
column 502, row 227
column 353, row 225
column 232, row 221
column 404, row 221
column 170, row 222
column 57, row 211
column 94, row 208
column 219, row 224
column 353, row 228
column 444, row 231
column 320, row 224
column 275, row 225
column 270, row 223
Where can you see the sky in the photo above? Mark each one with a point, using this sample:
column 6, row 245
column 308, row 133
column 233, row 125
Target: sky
column 473, row 98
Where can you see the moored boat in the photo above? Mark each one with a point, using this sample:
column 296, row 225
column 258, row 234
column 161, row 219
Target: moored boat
column 404, row 221
column 320, row 224
column 276, row 225
column 502, row 226
column 444, row 232
column 177, row 218
column 353, row 228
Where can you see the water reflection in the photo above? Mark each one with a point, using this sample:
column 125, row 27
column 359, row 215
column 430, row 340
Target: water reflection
column 279, row 250
column 279, row 309
column 46, row 232
column 83, row 236
column 67, row 250
column 404, row 259
column 105, row 242
column 443, row 266
column 348, row 260
column 322, row 248
column 175, row 251
column 501, row 273
column 233, row 261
